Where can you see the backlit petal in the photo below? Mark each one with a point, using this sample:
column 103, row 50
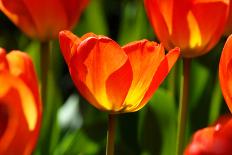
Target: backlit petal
column 96, row 62
column 144, row 57
column 68, row 44
column 164, row 68
column 225, row 72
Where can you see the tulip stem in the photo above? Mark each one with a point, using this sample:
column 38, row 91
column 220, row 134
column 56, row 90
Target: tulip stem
column 183, row 106
column 111, row 134
column 44, row 66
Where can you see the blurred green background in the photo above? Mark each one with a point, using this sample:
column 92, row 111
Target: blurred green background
column 71, row 126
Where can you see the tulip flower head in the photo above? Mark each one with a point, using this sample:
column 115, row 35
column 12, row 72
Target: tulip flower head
column 193, row 25
column 43, row 19
column 225, row 72
column 213, row 140
column 113, row 78
column 20, row 106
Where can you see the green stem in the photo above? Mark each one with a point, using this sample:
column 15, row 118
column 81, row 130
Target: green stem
column 215, row 104
column 44, row 66
column 183, row 106
column 111, row 134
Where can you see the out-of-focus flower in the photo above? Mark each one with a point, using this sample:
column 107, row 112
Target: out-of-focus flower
column 43, row 19
column 228, row 29
column 225, row 72
column 113, row 78
column 213, row 140
column 20, row 105
column 193, row 25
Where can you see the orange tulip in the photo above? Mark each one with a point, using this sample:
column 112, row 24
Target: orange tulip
column 193, row 25
column 113, row 78
column 225, row 72
column 43, row 19
column 20, row 106
column 213, row 140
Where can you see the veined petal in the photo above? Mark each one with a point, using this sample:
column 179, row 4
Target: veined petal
column 144, row 57
column 164, row 68
column 98, row 61
column 225, row 72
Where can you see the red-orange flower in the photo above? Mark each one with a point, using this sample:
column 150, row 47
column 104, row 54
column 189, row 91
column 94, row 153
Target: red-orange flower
column 213, row 140
column 20, row 106
column 225, row 72
column 43, row 19
column 113, row 78
column 193, row 25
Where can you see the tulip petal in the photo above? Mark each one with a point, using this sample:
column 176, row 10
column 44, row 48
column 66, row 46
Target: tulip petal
column 145, row 58
column 97, row 61
column 68, row 44
column 210, row 16
column 22, row 115
column 164, row 68
column 160, row 11
column 73, row 10
column 225, row 72
column 42, row 18
column 18, row 13
column 21, row 65
column 213, row 140
column 12, row 112
column 193, row 25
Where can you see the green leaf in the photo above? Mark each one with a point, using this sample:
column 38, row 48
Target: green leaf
column 93, row 20
column 134, row 25
column 199, row 78
column 77, row 143
column 159, row 123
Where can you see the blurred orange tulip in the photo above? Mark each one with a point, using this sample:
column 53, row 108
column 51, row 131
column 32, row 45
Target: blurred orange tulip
column 225, row 72
column 214, row 140
column 43, row 19
column 20, row 106
column 113, row 78
column 193, row 25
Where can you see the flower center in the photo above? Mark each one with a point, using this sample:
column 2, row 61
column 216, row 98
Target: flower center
column 4, row 117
